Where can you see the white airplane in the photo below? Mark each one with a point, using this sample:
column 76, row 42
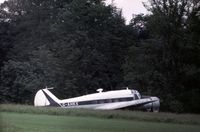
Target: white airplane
column 110, row 100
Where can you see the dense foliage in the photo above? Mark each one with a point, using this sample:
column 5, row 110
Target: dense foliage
column 78, row 46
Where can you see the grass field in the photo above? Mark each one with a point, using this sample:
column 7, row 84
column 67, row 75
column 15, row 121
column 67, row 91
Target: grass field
column 19, row 118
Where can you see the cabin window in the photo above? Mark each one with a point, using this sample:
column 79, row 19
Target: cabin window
column 101, row 101
column 95, row 102
column 123, row 99
column 136, row 97
column 108, row 101
column 116, row 100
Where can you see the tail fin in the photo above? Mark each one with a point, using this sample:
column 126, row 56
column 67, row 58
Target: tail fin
column 45, row 98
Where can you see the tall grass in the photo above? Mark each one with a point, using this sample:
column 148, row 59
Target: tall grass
column 7, row 127
column 108, row 114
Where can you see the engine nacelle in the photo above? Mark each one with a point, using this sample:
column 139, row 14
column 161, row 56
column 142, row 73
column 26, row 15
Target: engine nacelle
column 153, row 106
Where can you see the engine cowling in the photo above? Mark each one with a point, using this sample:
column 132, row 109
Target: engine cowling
column 153, row 106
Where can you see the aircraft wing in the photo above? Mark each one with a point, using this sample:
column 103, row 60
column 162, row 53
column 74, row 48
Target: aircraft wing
column 119, row 105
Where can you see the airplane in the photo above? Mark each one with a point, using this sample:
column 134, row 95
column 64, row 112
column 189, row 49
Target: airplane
column 109, row 100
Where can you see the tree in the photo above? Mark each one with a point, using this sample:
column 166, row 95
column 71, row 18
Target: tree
column 92, row 47
column 162, row 63
column 75, row 46
column 27, row 36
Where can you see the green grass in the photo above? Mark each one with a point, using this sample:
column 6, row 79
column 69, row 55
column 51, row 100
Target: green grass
column 23, row 118
column 51, row 123
column 114, row 114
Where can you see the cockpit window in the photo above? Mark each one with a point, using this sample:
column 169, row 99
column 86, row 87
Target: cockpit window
column 139, row 96
column 136, row 97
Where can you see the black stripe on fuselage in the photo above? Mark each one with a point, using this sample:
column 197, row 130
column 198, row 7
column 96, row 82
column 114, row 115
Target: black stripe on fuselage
column 51, row 101
column 103, row 101
column 93, row 102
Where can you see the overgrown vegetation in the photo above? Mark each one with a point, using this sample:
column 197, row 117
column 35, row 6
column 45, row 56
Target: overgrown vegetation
column 78, row 46
column 51, row 123
column 117, row 114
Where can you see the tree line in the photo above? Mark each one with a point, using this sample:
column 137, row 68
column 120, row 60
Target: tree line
column 78, row 46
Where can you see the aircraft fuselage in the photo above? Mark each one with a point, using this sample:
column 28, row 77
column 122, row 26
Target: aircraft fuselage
column 117, row 99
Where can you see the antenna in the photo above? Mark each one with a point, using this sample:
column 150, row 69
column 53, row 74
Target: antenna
column 100, row 90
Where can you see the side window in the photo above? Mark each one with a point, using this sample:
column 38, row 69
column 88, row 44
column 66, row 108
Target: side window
column 108, row 101
column 101, row 101
column 136, row 97
column 115, row 100
column 95, row 102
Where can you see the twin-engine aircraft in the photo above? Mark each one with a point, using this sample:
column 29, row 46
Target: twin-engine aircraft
column 110, row 100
